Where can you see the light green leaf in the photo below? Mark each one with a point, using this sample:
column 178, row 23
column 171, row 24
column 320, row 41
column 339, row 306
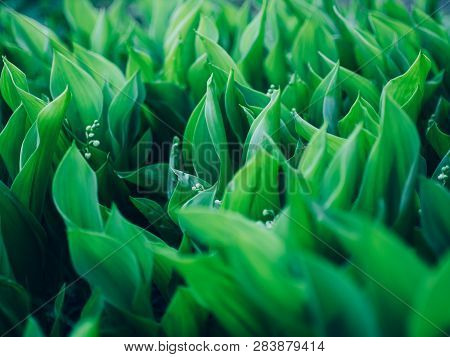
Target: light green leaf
column 439, row 140
column 392, row 165
column 326, row 102
column 255, row 188
column 87, row 101
column 220, row 58
column 316, row 158
column 207, row 28
column 120, row 114
column 75, row 192
column 251, row 48
column 100, row 68
column 312, row 37
column 408, row 89
column 307, row 131
column 355, row 84
column 81, row 15
column 11, row 79
column 267, row 123
column 140, row 61
column 343, row 176
column 30, row 185
column 103, row 261
column 260, row 283
column 235, row 114
column 11, row 139
column 296, row 95
column 363, row 113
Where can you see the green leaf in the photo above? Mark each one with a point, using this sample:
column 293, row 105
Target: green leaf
column 392, row 165
column 263, row 283
column 207, row 28
column 355, row 84
column 101, row 69
column 255, row 188
column 326, row 101
column 307, row 131
column 5, row 266
column 342, row 177
column 135, row 239
column 150, row 178
column 111, row 188
column 198, row 76
column 180, row 23
column 34, row 37
column 368, row 54
column 32, row 329
column 30, row 185
column 14, row 308
column 434, row 200
column 216, row 129
column 184, row 316
column 179, row 41
column 23, row 239
column 102, row 261
column 296, row 95
column 58, row 312
column 87, row 96
column 251, row 48
column 275, row 65
column 101, row 35
column 383, row 264
column 439, row 140
column 206, row 140
column 89, row 323
column 235, row 115
column 81, row 15
column 294, row 224
column 316, row 158
column 408, row 89
column 11, row 139
column 33, row 105
column 119, row 115
column 79, row 204
column 175, row 163
column 312, row 37
column 140, row 61
column 433, row 36
column 187, row 188
column 430, row 316
column 12, row 78
column 156, row 217
column 267, row 123
column 220, row 58
column 215, row 290
column 361, row 113
column 393, row 33
column 339, row 299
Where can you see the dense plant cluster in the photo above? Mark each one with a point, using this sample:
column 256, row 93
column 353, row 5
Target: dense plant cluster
column 181, row 168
